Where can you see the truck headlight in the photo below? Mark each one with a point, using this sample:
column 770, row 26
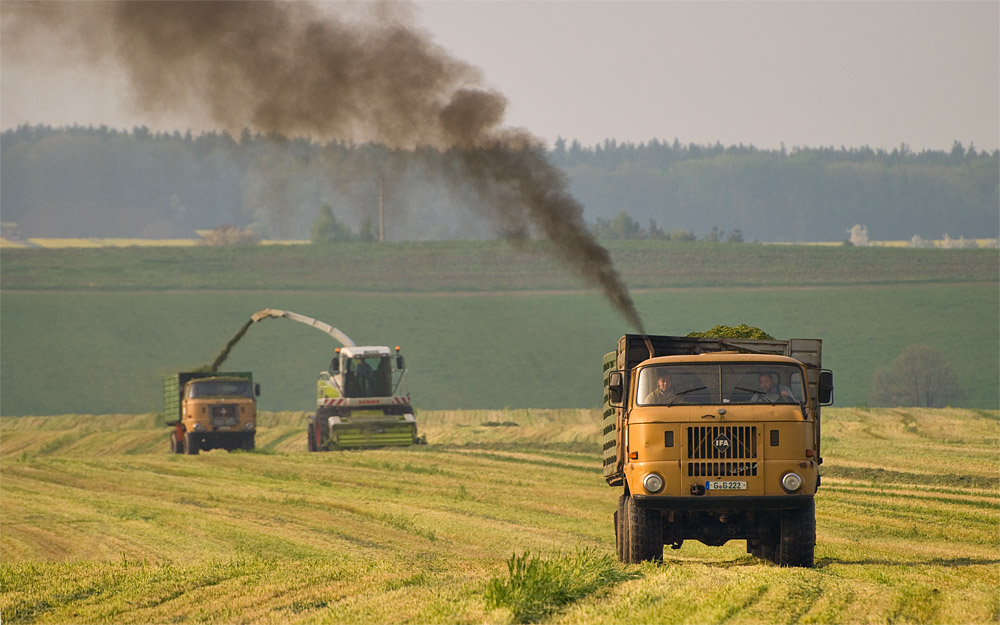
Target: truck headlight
column 791, row 482
column 198, row 427
column 653, row 483
column 248, row 426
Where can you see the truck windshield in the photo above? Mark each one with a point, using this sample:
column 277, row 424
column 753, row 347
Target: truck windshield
column 218, row 388
column 720, row 383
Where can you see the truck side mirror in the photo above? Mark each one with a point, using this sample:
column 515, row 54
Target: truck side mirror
column 826, row 387
column 615, row 387
column 399, row 362
column 256, row 390
column 335, row 365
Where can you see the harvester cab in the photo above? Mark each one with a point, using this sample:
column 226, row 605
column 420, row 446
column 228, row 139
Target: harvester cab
column 364, row 371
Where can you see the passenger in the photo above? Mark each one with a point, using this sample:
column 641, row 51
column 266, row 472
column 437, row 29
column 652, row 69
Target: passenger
column 664, row 392
column 769, row 393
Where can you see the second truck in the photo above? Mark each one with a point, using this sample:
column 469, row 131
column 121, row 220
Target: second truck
column 210, row 410
column 715, row 440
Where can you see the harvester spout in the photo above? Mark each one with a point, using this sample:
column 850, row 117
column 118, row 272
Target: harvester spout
column 309, row 321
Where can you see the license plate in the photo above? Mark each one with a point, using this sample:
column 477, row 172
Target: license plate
column 725, row 485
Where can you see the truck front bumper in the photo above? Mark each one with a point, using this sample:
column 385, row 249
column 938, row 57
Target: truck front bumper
column 715, row 502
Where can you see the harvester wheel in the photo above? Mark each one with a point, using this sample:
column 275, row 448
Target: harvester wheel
column 312, row 437
column 645, row 532
column 192, row 444
column 798, row 536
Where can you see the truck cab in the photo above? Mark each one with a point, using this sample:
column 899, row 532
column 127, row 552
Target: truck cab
column 714, row 441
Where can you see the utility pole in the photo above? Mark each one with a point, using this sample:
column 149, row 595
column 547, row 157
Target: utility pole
column 381, row 210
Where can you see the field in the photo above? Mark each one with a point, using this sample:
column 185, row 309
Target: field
column 483, row 324
column 481, row 266
column 491, row 522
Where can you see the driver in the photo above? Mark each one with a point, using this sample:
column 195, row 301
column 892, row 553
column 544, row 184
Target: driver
column 664, row 391
column 769, row 393
column 365, row 381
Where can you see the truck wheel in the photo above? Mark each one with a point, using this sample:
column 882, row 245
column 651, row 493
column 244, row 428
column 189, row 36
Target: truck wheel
column 769, row 551
column 311, row 435
column 621, row 531
column 798, row 536
column 248, row 441
column 645, row 533
column 192, row 443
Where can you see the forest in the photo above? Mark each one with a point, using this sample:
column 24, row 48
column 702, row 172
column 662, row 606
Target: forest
column 105, row 182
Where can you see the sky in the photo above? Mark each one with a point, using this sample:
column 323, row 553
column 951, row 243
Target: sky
column 798, row 74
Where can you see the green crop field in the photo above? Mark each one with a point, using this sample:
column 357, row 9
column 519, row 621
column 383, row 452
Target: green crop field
column 480, row 266
column 503, row 517
column 483, row 324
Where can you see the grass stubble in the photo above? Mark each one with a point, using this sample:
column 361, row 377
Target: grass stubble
column 490, row 523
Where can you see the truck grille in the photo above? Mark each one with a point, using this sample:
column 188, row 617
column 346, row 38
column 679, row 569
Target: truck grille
column 223, row 415
column 722, row 450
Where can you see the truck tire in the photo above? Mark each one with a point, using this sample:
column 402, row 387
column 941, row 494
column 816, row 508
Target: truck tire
column 645, row 533
column 621, row 530
column 798, row 536
column 769, row 551
column 192, row 443
column 311, row 438
column 248, row 441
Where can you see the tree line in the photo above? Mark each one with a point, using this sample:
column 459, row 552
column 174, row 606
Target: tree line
column 103, row 182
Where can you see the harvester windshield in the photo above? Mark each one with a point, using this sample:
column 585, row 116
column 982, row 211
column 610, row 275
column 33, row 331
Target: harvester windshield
column 368, row 377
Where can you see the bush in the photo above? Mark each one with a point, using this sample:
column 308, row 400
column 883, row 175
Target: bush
column 327, row 229
column 535, row 588
column 919, row 376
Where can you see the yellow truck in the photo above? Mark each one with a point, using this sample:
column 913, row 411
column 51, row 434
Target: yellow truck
column 714, row 439
column 209, row 410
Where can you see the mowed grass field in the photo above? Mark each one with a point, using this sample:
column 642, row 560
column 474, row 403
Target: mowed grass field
column 491, row 522
column 482, row 324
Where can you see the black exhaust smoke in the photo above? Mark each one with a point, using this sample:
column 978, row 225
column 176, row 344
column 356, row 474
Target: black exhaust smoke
column 337, row 71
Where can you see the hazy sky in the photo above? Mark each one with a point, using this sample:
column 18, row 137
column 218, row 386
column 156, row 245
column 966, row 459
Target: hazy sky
column 799, row 73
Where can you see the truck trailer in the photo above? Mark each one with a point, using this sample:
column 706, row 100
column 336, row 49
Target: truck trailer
column 714, row 439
